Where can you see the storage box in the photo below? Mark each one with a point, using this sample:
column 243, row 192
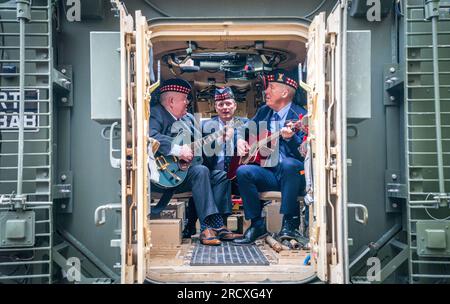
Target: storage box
column 232, row 223
column 174, row 210
column 273, row 217
column 166, row 232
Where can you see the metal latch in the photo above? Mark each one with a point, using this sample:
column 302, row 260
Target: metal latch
column 365, row 212
column 14, row 201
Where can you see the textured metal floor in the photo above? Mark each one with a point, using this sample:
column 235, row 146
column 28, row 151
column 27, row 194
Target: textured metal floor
column 227, row 254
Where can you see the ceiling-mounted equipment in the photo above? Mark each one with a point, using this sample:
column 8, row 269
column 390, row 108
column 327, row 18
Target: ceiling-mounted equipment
column 237, row 64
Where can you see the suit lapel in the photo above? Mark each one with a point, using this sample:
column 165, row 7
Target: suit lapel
column 292, row 113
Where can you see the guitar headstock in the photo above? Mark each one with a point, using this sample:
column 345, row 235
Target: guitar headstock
column 304, row 123
column 299, row 125
column 295, row 125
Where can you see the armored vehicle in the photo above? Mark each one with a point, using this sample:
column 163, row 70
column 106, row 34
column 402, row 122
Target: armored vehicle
column 77, row 86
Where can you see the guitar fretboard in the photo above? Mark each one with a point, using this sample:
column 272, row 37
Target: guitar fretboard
column 265, row 141
column 198, row 144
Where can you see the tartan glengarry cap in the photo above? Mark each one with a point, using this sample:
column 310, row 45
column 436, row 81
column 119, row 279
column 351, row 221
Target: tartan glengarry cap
column 223, row 94
column 176, row 85
column 281, row 76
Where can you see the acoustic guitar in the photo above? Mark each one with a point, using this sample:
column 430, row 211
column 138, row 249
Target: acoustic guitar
column 263, row 146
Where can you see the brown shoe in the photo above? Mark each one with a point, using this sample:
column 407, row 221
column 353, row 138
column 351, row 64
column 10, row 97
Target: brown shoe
column 224, row 234
column 209, row 237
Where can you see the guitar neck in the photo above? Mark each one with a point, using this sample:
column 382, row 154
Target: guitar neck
column 198, row 144
column 271, row 137
column 207, row 140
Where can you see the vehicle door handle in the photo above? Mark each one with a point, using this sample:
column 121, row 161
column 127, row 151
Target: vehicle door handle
column 100, row 212
column 365, row 212
column 115, row 162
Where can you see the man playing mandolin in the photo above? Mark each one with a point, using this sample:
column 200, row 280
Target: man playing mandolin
column 206, row 189
column 286, row 174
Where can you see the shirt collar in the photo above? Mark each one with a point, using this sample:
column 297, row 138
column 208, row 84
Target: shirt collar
column 221, row 122
column 283, row 112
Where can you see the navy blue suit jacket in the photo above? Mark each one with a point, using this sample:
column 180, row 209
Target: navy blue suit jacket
column 291, row 146
column 161, row 122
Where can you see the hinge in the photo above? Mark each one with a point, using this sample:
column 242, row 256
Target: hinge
column 63, row 85
column 396, row 191
column 62, row 192
column 393, row 85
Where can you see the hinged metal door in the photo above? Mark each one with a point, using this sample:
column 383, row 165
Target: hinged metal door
column 327, row 124
column 134, row 50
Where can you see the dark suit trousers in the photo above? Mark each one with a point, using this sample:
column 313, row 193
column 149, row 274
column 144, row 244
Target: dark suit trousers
column 221, row 188
column 285, row 177
column 208, row 190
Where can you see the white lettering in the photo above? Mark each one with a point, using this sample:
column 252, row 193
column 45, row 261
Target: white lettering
column 3, row 96
column 374, row 12
column 14, row 123
column 15, row 96
column 374, row 272
column 73, row 273
column 74, row 12
column 3, row 121
column 10, row 108
column 30, row 121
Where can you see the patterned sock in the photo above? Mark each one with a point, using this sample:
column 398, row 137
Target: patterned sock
column 214, row 221
column 211, row 221
column 203, row 226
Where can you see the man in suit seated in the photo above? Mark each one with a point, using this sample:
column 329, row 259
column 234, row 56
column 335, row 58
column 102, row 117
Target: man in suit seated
column 208, row 191
column 218, row 155
column 286, row 172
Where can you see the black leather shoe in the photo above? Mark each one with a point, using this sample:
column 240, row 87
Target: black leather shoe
column 289, row 229
column 288, row 234
column 251, row 235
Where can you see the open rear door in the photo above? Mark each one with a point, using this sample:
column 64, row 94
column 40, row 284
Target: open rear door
column 327, row 125
column 142, row 113
column 126, row 250
column 135, row 241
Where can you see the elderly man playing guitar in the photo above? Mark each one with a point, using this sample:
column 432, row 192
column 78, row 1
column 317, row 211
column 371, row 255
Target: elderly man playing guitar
column 208, row 191
column 286, row 173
